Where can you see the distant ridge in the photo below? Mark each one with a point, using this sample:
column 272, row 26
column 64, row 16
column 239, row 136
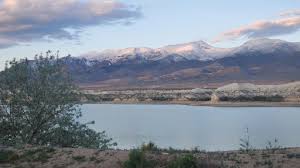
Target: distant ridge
column 188, row 65
column 198, row 50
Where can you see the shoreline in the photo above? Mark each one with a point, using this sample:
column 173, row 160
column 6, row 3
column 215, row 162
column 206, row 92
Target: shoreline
column 201, row 103
column 231, row 95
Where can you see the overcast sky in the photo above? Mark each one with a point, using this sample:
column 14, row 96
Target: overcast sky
column 28, row 27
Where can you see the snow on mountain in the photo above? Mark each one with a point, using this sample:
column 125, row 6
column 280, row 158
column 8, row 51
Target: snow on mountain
column 265, row 45
column 115, row 55
column 259, row 61
column 197, row 50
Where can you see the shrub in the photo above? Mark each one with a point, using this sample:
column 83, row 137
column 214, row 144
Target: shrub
column 293, row 155
column 150, row 147
column 186, row 161
column 8, row 156
column 79, row 158
column 40, row 106
column 38, row 154
column 137, row 159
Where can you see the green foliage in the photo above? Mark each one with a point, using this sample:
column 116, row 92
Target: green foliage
column 93, row 158
column 38, row 154
column 186, row 161
column 79, row 158
column 137, row 159
column 39, row 105
column 293, row 155
column 149, row 147
column 34, row 154
column 8, row 156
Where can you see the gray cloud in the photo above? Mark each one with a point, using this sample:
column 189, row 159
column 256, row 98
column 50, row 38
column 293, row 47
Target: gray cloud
column 6, row 43
column 23, row 21
column 289, row 22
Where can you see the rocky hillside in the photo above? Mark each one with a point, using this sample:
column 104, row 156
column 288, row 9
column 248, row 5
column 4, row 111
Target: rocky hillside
column 150, row 95
column 236, row 92
column 189, row 65
column 251, row 92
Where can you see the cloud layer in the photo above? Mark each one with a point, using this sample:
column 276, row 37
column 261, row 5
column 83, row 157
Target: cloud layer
column 23, row 21
column 289, row 22
column 294, row 12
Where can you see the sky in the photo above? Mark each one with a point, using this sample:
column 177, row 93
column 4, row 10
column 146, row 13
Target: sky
column 75, row 27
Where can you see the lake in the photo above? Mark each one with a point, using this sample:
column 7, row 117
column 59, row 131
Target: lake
column 186, row 127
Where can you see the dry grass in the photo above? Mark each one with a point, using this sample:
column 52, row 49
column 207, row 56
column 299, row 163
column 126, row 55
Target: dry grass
column 92, row 158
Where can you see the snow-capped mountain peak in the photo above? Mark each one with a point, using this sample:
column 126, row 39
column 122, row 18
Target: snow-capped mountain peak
column 186, row 47
column 265, row 45
column 198, row 50
column 117, row 54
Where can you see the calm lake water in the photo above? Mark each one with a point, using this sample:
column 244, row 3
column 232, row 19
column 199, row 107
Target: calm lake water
column 185, row 127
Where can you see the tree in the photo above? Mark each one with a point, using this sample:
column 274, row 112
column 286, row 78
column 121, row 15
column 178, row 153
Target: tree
column 39, row 105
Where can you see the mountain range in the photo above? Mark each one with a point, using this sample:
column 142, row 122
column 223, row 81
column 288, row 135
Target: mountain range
column 188, row 65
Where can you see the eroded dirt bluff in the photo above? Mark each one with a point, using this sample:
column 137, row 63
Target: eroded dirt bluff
column 235, row 92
